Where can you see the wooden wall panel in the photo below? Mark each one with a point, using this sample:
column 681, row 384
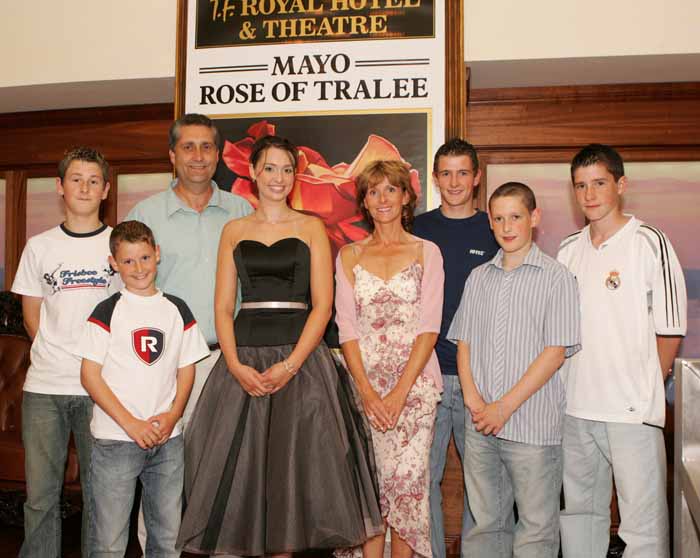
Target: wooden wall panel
column 662, row 115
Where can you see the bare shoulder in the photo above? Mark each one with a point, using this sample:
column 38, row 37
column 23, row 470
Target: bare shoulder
column 235, row 229
column 312, row 224
column 349, row 254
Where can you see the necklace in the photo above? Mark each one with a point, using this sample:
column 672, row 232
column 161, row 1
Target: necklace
column 282, row 219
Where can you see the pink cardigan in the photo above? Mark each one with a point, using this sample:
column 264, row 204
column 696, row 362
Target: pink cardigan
column 432, row 286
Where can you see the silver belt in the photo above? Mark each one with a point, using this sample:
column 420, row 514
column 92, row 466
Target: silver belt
column 274, row 304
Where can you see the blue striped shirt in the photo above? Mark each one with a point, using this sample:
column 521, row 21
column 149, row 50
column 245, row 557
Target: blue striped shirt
column 508, row 318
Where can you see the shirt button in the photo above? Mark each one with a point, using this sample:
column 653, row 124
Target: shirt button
column 631, row 409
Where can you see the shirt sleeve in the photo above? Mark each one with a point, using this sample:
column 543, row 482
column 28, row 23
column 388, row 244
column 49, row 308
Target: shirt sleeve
column 460, row 329
column 93, row 343
column 345, row 313
column 28, row 279
column 669, row 297
column 562, row 321
column 194, row 347
column 432, row 289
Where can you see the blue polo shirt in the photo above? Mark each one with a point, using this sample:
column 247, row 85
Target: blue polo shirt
column 189, row 244
column 465, row 244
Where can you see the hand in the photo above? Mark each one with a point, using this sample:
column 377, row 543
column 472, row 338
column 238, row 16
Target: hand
column 250, row 380
column 165, row 422
column 475, row 403
column 376, row 410
column 143, row 432
column 394, row 402
column 276, row 377
column 492, row 418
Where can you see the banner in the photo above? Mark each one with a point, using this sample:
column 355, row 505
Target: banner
column 348, row 81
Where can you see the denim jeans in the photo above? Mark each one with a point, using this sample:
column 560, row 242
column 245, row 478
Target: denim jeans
column 47, row 421
column 116, row 467
column 636, row 455
column 499, row 471
column 449, row 420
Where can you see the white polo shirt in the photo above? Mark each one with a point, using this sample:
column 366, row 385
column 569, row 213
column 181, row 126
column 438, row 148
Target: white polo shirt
column 631, row 289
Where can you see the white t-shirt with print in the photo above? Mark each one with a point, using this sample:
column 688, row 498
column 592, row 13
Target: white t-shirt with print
column 140, row 341
column 71, row 273
column 631, row 289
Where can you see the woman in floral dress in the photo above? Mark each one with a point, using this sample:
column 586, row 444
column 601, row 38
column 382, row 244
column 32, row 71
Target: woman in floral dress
column 389, row 304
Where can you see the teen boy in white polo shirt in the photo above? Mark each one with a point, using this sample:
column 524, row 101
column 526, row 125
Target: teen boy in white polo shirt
column 633, row 305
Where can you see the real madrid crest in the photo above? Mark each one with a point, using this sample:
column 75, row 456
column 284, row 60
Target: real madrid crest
column 613, row 280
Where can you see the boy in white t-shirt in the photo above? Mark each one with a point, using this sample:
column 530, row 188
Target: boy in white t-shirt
column 139, row 350
column 63, row 273
column 633, row 317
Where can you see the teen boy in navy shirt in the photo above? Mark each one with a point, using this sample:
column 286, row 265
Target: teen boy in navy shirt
column 465, row 241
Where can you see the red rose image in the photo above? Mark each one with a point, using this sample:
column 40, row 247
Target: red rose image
column 319, row 188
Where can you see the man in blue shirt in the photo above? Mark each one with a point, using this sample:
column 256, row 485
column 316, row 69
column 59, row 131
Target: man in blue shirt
column 187, row 220
column 466, row 241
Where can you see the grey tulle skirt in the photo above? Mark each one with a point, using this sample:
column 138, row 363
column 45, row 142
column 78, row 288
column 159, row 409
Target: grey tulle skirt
column 281, row 473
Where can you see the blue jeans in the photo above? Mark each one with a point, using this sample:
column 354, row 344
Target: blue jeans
column 47, row 421
column 449, row 420
column 594, row 451
column 499, row 471
column 116, row 467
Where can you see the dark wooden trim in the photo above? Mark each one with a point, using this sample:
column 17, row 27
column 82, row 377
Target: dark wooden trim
column 15, row 221
column 108, row 210
column 541, row 119
column 455, row 75
column 180, row 58
column 72, row 117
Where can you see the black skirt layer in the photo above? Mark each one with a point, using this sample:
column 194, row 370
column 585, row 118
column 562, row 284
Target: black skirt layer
column 281, row 473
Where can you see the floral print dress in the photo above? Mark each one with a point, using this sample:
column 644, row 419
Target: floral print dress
column 388, row 316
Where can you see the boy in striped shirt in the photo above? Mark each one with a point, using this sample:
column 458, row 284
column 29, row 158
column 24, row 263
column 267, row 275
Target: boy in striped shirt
column 633, row 307
column 517, row 322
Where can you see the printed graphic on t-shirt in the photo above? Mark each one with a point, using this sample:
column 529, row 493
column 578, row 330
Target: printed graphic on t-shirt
column 81, row 278
column 148, row 344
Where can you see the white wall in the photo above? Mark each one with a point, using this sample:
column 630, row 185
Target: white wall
column 65, row 41
column 545, row 29
column 77, row 53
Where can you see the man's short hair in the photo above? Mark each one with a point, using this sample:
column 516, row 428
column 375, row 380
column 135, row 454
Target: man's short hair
column 599, row 153
column 192, row 119
column 456, row 147
column 85, row 154
column 518, row 190
column 130, row 231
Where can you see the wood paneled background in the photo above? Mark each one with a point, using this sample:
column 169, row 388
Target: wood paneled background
column 650, row 122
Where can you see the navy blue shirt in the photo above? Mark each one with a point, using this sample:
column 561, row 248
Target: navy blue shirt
column 465, row 244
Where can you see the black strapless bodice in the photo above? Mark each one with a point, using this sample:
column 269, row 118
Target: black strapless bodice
column 279, row 272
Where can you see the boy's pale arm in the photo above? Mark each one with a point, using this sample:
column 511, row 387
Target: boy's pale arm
column 492, row 418
column 140, row 431
column 472, row 398
column 31, row 310
column 167, row 420
column 667, row 346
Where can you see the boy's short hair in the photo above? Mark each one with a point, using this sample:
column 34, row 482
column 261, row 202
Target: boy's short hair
column 599, row 153
column 516, row 189
column 85, row 154
column 130, row 231
column 192, row 119
column 456, row 147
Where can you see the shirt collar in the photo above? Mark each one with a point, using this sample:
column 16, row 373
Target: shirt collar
column 174, row 203
column 534, row 257
column 617, row 237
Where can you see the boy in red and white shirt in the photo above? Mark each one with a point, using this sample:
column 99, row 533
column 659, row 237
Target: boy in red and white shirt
column 139, row 350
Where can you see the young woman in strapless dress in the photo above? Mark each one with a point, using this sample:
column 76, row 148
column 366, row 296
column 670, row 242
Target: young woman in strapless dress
column 278, row 459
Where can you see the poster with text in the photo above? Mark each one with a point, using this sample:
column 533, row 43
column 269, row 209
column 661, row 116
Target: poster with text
column 347, row 81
